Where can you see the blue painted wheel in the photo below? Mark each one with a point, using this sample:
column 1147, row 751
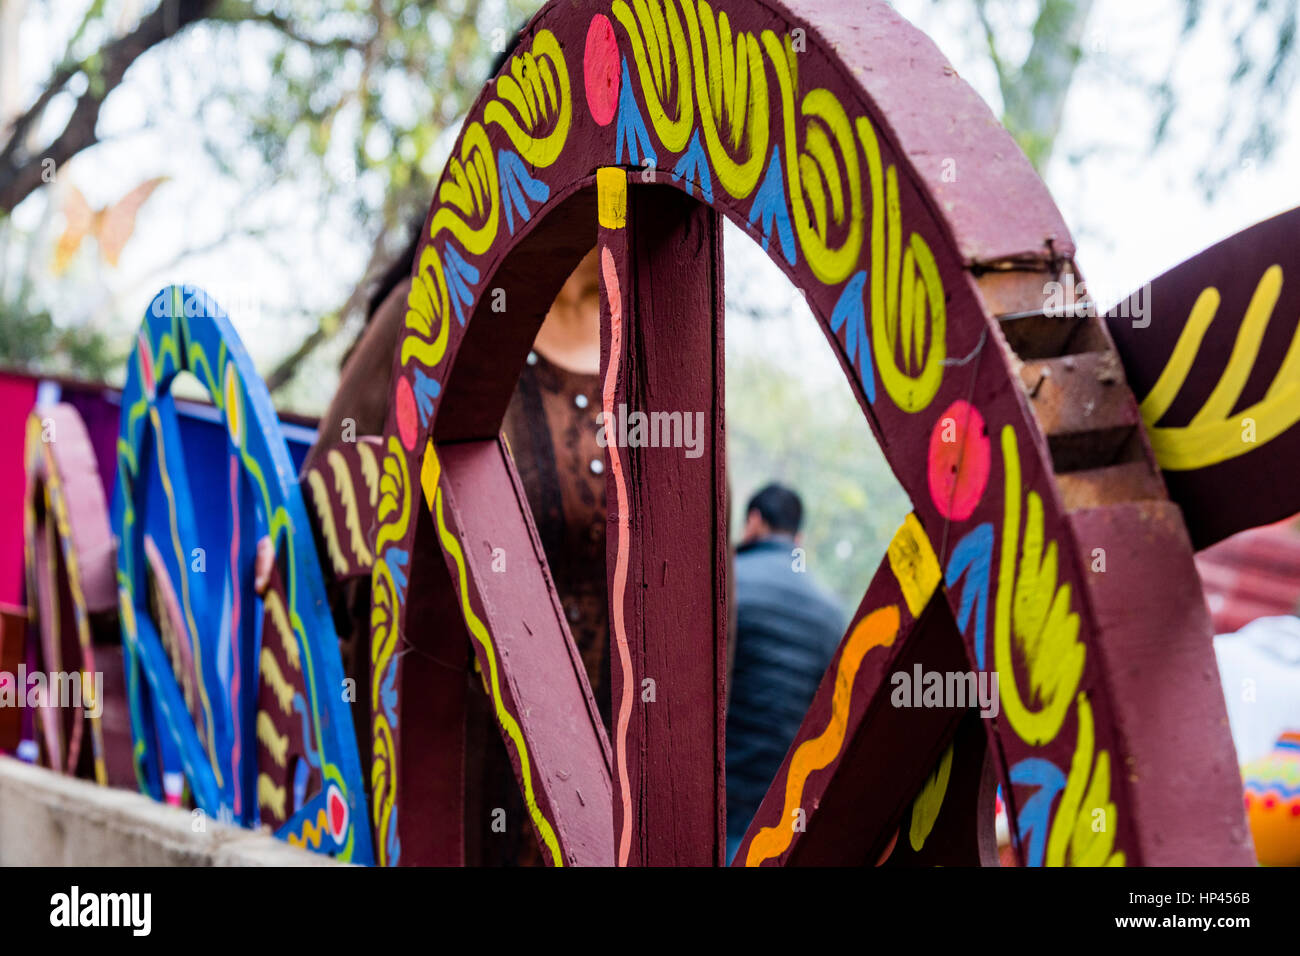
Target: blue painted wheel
column 234, row 682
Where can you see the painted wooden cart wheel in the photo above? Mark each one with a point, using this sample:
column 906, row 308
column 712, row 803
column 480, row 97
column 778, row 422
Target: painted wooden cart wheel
column 232, row 661
column 1042, row 548
column 73, row 600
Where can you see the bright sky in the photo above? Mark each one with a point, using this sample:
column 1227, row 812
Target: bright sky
column 1134, row 213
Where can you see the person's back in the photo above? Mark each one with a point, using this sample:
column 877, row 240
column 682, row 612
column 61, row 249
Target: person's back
column 787, row 632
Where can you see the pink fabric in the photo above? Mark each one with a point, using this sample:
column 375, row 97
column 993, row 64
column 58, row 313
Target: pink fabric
column 17, row 396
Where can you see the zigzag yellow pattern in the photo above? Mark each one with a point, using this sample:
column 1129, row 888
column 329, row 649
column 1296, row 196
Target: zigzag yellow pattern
column 271, row 796
column 282, row 689
column 351, row 516
column 320, row 500
column 311, row 832
column 276, row 744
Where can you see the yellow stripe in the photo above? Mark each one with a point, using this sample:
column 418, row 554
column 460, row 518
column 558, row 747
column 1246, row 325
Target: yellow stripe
column 611, row 197
column 914, row 565
column 480, row 633
column 1244, row 350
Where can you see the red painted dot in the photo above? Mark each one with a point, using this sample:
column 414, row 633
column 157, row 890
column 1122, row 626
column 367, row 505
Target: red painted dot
column 600, row 70
column 1247, row 801
column 1270, row 802
column 1295, row 809
column 146, row 363
column 338, row 813
column 407, row 416
column 960, row 459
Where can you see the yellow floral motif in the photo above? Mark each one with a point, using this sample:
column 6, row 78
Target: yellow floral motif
column 427, row 304
column 732, row 87
column 393, row 516
column 1034, row 611
column 912, row 296
column 813, row 173
column 1083, row 832
column 470, row 194
column 536, row 88
column 658, row 44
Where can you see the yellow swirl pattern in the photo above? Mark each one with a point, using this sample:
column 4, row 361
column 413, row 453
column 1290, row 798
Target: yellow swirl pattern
column 393, row 515
column 813, row 173
column 469, row 194
column 535, row 93
column 891, row 331
column 427, row 305
column 1034, row 611
column 658, row 44
column 732, row 85
column 1075, row 838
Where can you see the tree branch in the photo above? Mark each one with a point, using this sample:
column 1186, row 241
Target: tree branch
column 20, row 172
column 231, row 12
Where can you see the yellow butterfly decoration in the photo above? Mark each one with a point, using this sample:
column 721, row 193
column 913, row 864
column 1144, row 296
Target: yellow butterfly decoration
column 111, row 226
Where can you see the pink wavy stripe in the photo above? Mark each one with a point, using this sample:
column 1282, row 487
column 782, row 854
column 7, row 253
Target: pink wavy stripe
column 614, row 296
column 234, row 623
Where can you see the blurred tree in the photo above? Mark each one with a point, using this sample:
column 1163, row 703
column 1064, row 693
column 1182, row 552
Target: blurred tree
column 354, row 98
column 1036, row 47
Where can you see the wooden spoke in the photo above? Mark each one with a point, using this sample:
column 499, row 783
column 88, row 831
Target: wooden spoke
column 661, row 369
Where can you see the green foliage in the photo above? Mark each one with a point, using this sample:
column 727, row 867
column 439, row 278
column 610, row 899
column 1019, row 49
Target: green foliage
column 812, row 436
column 30, row 339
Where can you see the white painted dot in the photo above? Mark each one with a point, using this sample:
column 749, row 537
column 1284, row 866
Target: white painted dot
column 532, row 358
column 580, row 401
column 597, row 466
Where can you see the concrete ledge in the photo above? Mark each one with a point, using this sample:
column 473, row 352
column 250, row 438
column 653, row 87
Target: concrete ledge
column 47, row 819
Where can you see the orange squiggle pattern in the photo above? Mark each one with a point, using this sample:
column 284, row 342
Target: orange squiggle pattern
column 877, row 629
column 614, row 296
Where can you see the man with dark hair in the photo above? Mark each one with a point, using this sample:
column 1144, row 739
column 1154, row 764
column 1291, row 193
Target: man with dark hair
column 787, row 632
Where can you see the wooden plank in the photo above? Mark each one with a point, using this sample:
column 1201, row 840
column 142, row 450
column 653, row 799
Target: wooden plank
column 858, row 759
column 951, row 819
column 511, row 617
column 1218, row 334
column 661, row 358
column 1165, row 681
